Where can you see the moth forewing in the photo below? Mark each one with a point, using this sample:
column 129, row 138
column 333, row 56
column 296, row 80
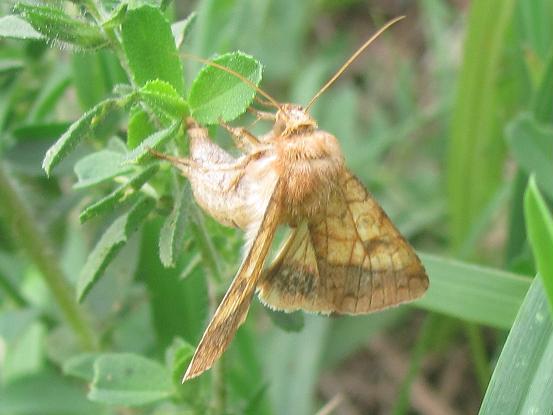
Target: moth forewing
column 349, row 258
column 233, row 309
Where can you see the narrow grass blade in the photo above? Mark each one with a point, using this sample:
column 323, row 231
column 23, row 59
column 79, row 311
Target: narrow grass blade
column 473, row 293
column 539, row 226
column 522, row 382
column 476, row 150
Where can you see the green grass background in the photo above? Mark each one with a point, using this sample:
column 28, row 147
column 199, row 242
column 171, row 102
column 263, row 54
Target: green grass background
column 444, row 119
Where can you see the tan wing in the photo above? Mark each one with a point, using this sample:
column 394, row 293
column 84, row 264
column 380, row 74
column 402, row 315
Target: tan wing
column 233, row 309
column 351, row 259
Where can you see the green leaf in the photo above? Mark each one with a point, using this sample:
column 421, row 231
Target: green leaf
column 179, row 307
column 116, row 17
column 287, row 321
column 542, row 105
column 155, row 141
column 150, row 48
column 124, row 193
column 217, row 95
column 40, row 131
column 522, row 382
column 181, row 29
column 50, row 94
column 163, row 99
column 129, row 380
column 79, row 130
column 140, row 126
column 60, row 27
column 293, row 368
column 90, row 78
column 81, row 366
column 25, row 355
column 172, row 233
column 476, row 152
column 532, row 146
column 473, row 293
column 539, row 227
column 179, row 355
column 8, row 66
column 16, row 28
column 99, row 167
column 45, row 393
column 111, row 242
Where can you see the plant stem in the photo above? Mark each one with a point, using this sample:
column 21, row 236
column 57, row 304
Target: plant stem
column 97, row 12
column 208, row 251
column 33, row 240
column 478, row 351
column 213, row 263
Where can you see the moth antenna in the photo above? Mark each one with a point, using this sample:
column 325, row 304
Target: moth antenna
column 351, row 59
column 237, row 75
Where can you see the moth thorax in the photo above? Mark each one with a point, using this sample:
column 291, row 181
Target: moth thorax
column 310, row 165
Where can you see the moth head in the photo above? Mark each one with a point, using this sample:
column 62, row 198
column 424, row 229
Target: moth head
column 293, row 119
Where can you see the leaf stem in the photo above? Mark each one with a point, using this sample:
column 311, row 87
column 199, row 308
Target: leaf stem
column 33, row 240
column 98, row 14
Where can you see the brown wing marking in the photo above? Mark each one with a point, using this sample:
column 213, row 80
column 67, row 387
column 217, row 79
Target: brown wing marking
column 350, row 259
column 233, row 309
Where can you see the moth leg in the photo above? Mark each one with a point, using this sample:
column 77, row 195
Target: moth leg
column 264, row 102
column 263, row 115
column 184, row 164
column 243, row 139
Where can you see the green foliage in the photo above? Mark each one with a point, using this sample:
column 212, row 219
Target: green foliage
column 522, row 383
column 79, row 130
column 110, row 243
column 129, row 380
column 57, row 26
column 530, row 142
column 539, row 223
column 148, row 267
column 150, row 48
column 16, row 28
column 476, row 152
column 213, row 91
column 172, row 233
column 473, row 293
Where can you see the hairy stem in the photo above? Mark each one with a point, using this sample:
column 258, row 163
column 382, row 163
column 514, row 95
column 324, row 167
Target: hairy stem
column 33, row 240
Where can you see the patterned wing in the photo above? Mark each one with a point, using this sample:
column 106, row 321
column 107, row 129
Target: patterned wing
column 350, row 259
column 233, row 309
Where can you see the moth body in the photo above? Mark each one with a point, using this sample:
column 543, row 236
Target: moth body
column 233, row 190
column 309, row 159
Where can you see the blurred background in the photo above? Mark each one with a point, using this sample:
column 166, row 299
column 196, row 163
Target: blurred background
column 433, row 118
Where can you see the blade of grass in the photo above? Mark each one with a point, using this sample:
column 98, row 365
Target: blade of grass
column 522, row 382
column 473, row 293
column 539, row 225
column 476, row 151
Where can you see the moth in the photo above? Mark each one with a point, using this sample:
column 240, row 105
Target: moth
column 343, row 254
